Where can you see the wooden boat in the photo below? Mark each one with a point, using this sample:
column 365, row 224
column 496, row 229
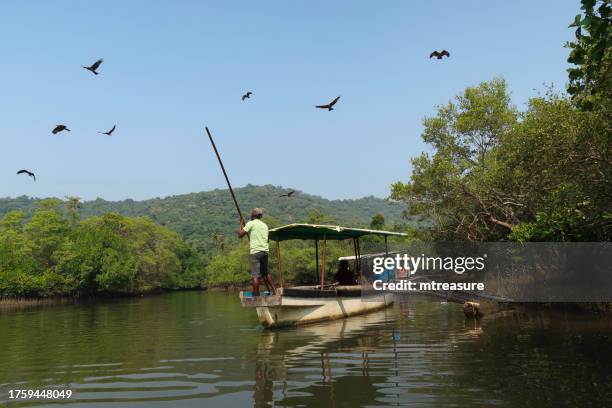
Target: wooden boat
column 306, row 304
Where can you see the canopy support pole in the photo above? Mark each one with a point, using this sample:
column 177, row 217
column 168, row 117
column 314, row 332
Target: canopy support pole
column 387, row 255
column 359, row 257
column 386, row 247
column 280, row 263
column 316, row 257
column 323, row 261
column 357, row 270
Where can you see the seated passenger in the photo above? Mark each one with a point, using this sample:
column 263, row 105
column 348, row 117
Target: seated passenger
column 344, row 276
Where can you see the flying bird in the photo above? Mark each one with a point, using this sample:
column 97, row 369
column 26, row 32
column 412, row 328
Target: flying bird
column 439, row 54
column 289, row 194
column 329, row 106
column 247, row 95
column 29, row 173
column 94, row 66
column 110, row 132
column 59, row 128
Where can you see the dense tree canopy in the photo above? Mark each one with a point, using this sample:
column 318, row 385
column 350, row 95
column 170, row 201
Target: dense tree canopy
column 54, row 254
column 496, row 173
column 52, row 247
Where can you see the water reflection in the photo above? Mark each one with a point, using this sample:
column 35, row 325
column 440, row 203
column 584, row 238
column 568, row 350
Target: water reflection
column 202, row 349
column 326, row 354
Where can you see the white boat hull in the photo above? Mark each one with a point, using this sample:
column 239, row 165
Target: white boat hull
column 290, row 310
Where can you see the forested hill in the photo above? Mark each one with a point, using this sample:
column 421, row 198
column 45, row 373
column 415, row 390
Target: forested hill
column 207, row 216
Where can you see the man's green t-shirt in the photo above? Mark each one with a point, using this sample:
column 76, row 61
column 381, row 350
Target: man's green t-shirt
column 258, row 235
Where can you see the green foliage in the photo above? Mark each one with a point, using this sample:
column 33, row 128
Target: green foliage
column 208, row 220
column 70, row 247
column 47, row 232
column 540, row 175
column 317, row 216
column 17, row 266
column 378, row 222
column 229, row 268
column 449, row 186
column 567, row 214
column 556, row 163
column 55, row 254
column 590, row 79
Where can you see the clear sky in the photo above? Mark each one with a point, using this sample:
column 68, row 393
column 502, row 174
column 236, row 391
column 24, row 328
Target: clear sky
column 171, row 67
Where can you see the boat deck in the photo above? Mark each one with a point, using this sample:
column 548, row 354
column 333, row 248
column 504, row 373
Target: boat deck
column 305, row 292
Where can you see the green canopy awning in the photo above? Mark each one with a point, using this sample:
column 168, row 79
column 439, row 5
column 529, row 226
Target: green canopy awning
column 335, row 232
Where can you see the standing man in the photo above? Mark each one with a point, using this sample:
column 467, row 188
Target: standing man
column 257, row 231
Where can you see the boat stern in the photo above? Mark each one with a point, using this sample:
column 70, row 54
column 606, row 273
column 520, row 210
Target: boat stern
column 265, row 300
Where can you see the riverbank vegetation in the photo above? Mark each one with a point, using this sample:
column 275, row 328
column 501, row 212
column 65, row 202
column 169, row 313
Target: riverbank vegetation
column 55, row 254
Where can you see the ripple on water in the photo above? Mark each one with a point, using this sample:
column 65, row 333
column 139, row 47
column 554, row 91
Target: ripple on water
column 175, row 351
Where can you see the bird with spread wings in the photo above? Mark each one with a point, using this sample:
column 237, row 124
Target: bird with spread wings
column 94, row 66
column 110, row 132
column 439, row 54
column 29, row 173
column 289, row 194
column 329, row 106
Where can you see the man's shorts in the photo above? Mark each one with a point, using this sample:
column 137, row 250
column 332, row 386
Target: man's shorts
column 259, row 264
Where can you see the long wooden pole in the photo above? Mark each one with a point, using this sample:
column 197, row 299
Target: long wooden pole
column 224, row 173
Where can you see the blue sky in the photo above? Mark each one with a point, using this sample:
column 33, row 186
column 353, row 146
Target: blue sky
column 173, row 67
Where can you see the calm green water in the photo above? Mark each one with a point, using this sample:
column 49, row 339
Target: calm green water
column 197, row 349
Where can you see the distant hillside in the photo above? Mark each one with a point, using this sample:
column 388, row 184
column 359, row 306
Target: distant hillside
column 204, row 217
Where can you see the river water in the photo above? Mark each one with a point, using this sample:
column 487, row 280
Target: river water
column 199, row 349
